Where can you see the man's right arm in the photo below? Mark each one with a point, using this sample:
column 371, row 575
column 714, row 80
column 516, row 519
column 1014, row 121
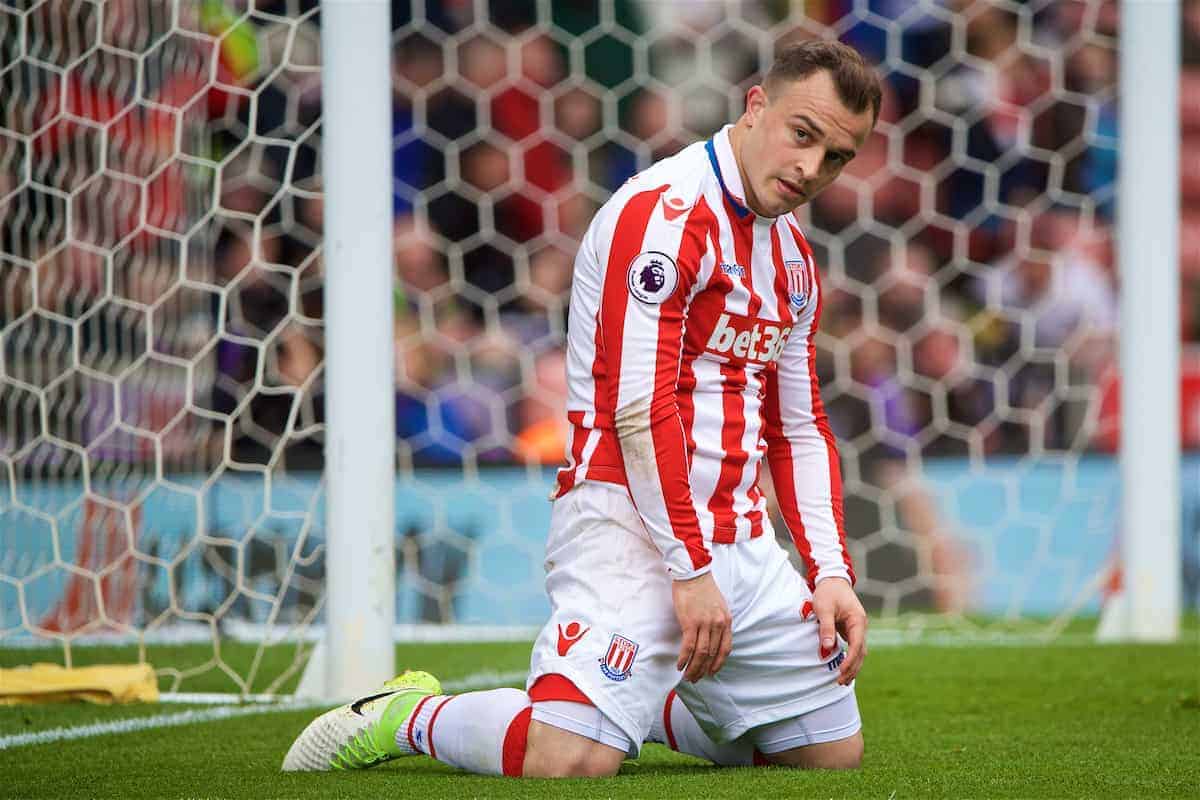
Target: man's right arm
column 650, row 272
column 640, row 340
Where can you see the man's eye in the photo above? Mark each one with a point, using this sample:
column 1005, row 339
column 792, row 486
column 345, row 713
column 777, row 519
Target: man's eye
column 802, row 134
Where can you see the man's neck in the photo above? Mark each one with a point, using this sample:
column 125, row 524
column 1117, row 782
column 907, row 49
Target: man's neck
column 736, row 137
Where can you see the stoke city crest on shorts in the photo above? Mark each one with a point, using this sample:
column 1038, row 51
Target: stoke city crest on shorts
column 617, row 662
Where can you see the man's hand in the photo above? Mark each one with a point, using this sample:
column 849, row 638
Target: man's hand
column 707, row 626
column 838, row 610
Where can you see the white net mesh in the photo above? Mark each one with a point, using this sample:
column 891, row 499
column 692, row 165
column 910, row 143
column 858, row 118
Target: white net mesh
column 156, row 156
column 160, row 390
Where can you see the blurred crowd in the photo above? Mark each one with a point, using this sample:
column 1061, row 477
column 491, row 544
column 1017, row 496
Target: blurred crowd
column 972, row 295
column 969, row 249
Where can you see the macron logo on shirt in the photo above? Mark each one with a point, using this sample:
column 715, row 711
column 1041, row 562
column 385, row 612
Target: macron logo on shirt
column 747, row 339
column 673, row 207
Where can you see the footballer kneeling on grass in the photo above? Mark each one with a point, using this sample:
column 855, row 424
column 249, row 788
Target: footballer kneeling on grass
column 677, row 618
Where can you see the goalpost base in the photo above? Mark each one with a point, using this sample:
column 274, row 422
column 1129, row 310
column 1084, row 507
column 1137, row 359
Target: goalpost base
column 1114, row 620
column 1120, row 621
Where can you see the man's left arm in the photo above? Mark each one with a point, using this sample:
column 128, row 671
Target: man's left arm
column 803, row 459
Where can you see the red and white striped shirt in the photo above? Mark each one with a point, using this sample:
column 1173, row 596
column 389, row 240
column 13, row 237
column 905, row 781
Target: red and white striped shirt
column 690, row 357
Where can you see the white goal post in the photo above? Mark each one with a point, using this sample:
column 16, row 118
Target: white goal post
column 1148, row 605
column 360, row 443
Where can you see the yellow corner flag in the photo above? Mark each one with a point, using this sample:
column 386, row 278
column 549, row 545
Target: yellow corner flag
column 104, row 684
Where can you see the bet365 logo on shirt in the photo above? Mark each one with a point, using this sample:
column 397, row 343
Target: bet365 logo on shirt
column 747, row 339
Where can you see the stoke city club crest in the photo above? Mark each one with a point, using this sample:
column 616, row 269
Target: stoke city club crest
column 799, row 280
column 617, row 663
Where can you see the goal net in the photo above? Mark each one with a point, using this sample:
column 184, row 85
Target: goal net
column 161, row 339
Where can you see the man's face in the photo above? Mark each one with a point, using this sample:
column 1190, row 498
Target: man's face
column 797, row 141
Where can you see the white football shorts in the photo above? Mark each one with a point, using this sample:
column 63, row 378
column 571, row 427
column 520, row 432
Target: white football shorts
column 612, row 629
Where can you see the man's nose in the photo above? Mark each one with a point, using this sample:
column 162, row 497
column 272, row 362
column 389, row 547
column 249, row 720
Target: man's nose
column 809, row 162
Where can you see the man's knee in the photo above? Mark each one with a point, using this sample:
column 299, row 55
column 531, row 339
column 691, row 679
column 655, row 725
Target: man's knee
column 841, row 754
column 552, row 752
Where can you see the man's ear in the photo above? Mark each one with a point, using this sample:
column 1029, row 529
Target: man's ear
column 756, row 104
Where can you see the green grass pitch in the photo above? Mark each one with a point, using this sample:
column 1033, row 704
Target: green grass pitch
column 1064, row 720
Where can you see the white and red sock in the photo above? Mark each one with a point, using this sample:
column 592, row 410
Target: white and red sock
column 481, row 732
column 679, row 730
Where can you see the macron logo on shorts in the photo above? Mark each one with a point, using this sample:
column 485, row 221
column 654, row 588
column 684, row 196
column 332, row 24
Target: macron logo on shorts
column 568, row 638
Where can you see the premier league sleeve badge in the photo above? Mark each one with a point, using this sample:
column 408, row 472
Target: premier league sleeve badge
column 652, row 277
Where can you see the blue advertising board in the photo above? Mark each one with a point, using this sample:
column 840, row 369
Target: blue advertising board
column 469, row 550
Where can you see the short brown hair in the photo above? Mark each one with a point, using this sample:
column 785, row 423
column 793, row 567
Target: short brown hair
column 857, row 84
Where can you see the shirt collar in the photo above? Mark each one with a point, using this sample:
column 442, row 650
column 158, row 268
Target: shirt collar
column 724, row 165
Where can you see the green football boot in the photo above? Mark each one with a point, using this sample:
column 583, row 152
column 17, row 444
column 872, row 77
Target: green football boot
column 363, row 733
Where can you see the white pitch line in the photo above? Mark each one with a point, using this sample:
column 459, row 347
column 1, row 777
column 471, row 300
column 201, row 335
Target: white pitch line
column 478, row 680
column 132, row 724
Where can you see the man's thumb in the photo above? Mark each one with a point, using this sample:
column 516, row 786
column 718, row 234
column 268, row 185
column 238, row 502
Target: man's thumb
column 826, row 630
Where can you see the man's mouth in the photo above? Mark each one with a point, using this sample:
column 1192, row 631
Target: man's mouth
column 790, row 188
